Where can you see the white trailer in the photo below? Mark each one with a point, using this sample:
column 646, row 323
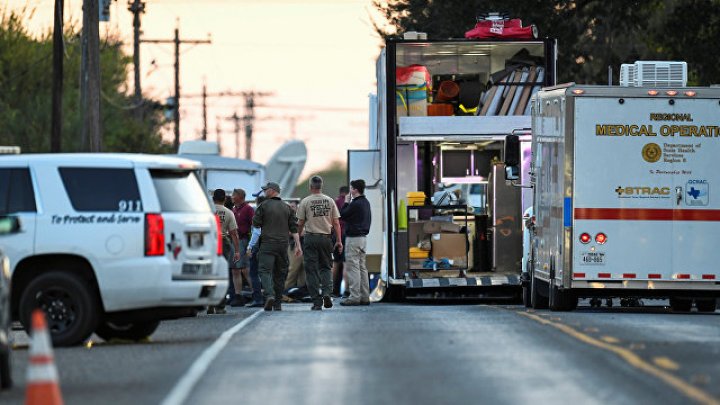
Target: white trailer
column 412, row 151
column 626, row 195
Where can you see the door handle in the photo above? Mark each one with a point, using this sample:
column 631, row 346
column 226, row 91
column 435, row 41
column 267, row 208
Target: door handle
column 678, row 195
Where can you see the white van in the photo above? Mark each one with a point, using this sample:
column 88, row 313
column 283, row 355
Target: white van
column 110, row 243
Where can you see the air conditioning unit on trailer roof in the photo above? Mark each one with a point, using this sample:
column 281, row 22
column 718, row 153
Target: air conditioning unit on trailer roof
column 654, row 74
column 627, row 75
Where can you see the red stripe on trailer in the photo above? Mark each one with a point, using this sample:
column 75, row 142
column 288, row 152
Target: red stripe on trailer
column 653, row 275
column 629, row 275
column 708, row 277
column 682, row 276
column 579, row 275
column 643, row 214
column 604, row 275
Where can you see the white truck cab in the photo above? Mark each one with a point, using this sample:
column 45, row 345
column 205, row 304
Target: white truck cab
column 110, row 243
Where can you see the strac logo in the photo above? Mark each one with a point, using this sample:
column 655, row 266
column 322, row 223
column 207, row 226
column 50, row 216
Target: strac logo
column 642, row 191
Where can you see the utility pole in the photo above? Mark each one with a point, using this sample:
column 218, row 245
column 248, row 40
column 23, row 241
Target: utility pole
column 57, row 80
column 204, row 103
column 177, row 42
column 137, row 7
column 218, row 132
column 236, row 119
column 248, row 118
column 90, row 77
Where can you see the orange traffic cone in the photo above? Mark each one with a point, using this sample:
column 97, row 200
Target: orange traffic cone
column 42, row 377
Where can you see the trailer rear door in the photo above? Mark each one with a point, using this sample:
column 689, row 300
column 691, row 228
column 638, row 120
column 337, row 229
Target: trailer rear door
column 623, row 189
column 697, row 186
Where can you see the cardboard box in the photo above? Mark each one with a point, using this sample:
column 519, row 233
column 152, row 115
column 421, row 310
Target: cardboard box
column 441, row 226
column 416, row 232
column 452, row 246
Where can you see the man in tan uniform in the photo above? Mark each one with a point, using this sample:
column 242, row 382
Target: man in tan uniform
column 231, row 247
column 318, row 216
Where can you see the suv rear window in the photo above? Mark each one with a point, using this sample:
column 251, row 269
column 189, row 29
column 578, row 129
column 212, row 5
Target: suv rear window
column 179, row 191
column 93, row 189
column 16, row 191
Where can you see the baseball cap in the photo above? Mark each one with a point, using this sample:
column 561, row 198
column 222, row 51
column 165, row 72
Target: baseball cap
column 271, row 185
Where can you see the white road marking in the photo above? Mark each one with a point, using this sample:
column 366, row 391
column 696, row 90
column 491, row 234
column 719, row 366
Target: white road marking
column 181, row 391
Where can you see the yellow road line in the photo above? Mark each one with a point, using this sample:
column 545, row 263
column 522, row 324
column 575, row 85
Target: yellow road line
column 666, row 363
column 610, row 339
column 634, row 360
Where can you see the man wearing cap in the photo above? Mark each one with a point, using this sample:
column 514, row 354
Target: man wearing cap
column 228, row 228
column 277, row 220
column 318, row 216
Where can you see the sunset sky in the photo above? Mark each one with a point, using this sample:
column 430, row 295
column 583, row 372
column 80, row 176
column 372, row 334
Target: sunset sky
column 313, row 53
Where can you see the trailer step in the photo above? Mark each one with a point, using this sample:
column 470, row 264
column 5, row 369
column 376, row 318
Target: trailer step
column 485, row 281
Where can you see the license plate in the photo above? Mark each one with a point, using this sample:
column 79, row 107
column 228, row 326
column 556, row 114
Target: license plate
column 195, row 240
column 197, row 268
column 593, row 258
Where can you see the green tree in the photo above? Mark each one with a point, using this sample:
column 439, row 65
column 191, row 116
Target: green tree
column 689, row 30
column 334, row 176
column 25, row 93
column 591, row 34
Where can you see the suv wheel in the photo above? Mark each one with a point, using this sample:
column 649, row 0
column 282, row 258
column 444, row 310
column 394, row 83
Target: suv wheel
column 70, row 305
column 127, row 331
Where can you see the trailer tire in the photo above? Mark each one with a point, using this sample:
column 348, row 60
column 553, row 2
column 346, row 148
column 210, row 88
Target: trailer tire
column 537, row 300
column 680, row 304
column 562, row 300
column 706, row 305
column 527, row 295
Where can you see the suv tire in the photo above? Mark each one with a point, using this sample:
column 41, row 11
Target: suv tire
column 70, row 305
column 126, row 331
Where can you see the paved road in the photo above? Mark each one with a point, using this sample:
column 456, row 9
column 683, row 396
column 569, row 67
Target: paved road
column 406, row 354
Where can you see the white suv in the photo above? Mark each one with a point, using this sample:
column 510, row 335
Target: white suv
column 110, row 243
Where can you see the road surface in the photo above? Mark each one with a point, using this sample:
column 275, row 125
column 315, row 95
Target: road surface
column 401, row 354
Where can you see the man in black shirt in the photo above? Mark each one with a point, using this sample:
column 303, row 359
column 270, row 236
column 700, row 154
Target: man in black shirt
column 356, row 215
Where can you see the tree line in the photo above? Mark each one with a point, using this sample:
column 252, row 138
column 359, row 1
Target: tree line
column 591, row 34
column 25, row 93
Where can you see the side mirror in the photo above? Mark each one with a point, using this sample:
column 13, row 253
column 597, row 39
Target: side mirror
column 511, row 155
column 9, row 224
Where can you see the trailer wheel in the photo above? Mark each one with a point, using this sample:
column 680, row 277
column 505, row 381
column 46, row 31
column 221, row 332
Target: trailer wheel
column 706, row 305
column 527, row 295
column 537, row 300
column 681, row 304
column 562, row 300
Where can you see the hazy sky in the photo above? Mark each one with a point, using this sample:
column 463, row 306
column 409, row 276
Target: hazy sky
column 313, row 53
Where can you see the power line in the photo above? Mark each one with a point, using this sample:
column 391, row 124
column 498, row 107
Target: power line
column 177, row 42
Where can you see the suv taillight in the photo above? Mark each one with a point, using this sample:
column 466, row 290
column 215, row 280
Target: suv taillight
column 219, row 236
column 154, row 235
